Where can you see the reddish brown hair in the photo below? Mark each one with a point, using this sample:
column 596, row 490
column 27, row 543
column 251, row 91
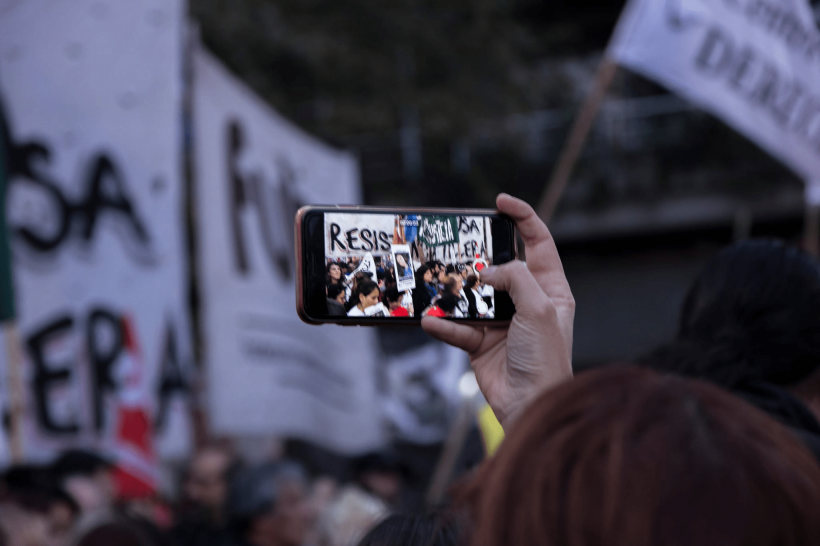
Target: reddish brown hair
column 626, row 456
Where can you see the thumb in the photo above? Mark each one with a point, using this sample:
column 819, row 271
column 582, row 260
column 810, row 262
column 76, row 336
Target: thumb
column 514, row 277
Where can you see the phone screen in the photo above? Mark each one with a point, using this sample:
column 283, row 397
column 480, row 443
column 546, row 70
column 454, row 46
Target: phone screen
column 401, row 266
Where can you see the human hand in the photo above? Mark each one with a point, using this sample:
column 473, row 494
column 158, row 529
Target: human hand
column 514, row 364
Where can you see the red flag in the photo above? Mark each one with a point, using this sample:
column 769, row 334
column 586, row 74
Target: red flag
column 136, row 472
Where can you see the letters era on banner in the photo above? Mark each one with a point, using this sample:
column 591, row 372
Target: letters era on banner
column 90, row 104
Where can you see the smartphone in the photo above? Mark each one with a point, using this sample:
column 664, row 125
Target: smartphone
column 372, row 266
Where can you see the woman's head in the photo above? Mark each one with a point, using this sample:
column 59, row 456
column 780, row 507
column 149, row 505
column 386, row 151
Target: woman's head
column 470, row 282
column 334, row 272
column 753, row 314
column 422, row 276
column 336, row 292
column 626, row 456
column 401, row 260
column 368, row 293
column 453, row 284
column 428, row 276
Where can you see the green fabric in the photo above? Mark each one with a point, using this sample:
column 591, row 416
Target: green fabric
column 438, row 230
column 6, row 290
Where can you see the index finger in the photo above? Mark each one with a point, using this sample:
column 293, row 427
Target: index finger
column 543, row 260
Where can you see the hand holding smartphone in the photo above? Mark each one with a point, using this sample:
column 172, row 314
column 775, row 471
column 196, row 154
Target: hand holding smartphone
column 371, row 266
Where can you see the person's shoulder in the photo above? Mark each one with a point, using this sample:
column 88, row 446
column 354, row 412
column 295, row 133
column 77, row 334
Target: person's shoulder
column 355, row 312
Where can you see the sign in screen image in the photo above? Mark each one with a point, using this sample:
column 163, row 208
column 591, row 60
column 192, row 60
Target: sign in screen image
column 390, row 265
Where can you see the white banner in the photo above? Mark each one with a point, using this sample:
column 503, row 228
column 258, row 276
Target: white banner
column 269, row 373
column 754, row 63
column 349, row 235
column 91, row 100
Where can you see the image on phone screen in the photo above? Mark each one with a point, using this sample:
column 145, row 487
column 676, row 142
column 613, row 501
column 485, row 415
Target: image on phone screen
column 406, row 266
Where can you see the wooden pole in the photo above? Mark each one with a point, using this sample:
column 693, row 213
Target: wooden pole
column 811, row 227
column 453, row 445
column 811, row 221
column 577, row 137
column 14, row 375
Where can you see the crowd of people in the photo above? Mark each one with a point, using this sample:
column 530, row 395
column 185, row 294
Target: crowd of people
column 452, row 290
column 713, row 439
column 222, row 500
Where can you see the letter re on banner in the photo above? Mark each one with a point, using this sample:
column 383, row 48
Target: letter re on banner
column 95, row 205
column 753, row 63
column 269, row 373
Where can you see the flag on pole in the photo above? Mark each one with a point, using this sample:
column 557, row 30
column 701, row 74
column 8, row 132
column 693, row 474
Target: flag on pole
column 6, row 291
column 136, row 473
column 753, row 64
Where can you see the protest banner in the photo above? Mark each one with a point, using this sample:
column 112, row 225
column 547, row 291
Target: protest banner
column 753, row 63
column 475, row 238
column 95, row 202
column 269, row 373
column 349, row 235
column 438, row 230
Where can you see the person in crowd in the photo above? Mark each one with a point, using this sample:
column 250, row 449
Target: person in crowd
column 455, row 287
column 334, row 274
column 450, row 269
column 88, row 478
column 202, row 518
column 476, row 306
column 381, row 474
column 621, row 455
column 380, row 276
column 445, row 306
column 336, row 300
column 441, row 277
column 353, row 288
column 366, row 295
column 432, row 529
column 34, row 509
column 269, row 506
column 393, row 298
column 119, row 534
column 751, row 324
column 487, row 293
column 425, row 290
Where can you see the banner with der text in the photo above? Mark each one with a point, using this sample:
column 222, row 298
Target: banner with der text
column 269, row 373
column 753, row 63
column 90, row 108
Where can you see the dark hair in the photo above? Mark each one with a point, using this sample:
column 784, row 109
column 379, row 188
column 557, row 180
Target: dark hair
column 752, row 315
column 470, row 281
column 450, row 269
column 392, row 294
column 447, row 302
column 413, row 530
column 472, row 307
column 421, row 297
column 623, row 455
column 333, row 290
column 431, row 264
column 79, row 462
column 36, row 488
column 420, row 272
column 366, row 287
column 255, row 490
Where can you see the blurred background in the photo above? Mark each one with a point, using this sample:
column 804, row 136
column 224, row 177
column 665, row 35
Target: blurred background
column 155, row 153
